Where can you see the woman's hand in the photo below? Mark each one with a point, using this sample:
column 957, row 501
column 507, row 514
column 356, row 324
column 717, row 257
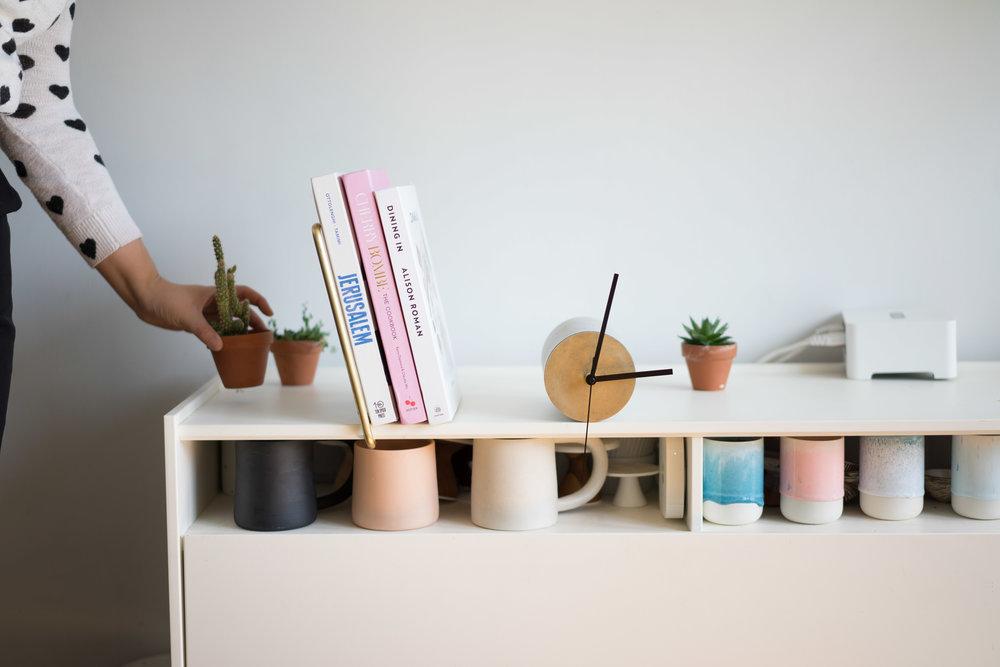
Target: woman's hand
column 187, row 308
column 157, row 301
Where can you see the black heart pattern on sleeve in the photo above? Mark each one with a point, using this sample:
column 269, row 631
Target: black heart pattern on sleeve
column 47, row 71
column 24, row 110
column 89, row 248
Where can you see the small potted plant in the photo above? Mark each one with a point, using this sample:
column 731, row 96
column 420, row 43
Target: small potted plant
column 242, row 361
column 296, row 352
column 709, row 353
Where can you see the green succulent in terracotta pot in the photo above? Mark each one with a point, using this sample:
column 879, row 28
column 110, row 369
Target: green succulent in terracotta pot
column 242, row 361
column 709, row 352
column 296, row 351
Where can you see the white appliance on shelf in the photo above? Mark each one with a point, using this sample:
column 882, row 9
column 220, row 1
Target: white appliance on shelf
column 884, row 341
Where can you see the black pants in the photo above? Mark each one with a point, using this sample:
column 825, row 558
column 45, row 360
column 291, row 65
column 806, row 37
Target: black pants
column 9, row 202
column 6, row 323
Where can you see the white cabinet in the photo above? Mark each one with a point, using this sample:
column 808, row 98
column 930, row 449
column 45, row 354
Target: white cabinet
column 604, row 585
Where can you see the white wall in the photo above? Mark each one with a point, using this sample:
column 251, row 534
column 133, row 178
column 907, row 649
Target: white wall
column 770, row 162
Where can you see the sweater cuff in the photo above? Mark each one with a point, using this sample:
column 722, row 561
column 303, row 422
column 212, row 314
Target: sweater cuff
column 103, row 232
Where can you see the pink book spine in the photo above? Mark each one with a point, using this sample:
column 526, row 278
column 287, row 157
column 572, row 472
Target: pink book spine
column 359, row 189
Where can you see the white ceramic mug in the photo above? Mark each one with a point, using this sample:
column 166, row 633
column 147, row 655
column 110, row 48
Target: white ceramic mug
column 514, row 484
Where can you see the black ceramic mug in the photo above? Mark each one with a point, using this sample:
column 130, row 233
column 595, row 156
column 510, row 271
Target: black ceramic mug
column 275, row 488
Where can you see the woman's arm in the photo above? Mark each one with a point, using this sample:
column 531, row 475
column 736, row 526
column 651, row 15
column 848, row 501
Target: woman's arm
column 54, row 152
column 157, row 301
column 55, row 156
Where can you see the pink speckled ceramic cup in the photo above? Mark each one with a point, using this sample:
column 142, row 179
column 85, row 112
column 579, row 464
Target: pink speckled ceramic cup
column 395, row 485
column 812, row 479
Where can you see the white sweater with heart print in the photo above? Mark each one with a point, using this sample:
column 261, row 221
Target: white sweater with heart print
column 42, row 132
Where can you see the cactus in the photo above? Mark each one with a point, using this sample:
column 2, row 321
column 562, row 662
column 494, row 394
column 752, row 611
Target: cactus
column 234, row 315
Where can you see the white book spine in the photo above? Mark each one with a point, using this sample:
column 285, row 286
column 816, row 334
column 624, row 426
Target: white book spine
column 332, row 211
column 414, row 274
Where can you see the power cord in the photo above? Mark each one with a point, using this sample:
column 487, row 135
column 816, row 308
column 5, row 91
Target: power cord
column 828, row 335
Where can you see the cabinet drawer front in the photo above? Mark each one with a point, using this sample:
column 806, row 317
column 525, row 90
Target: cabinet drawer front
column 540, row 598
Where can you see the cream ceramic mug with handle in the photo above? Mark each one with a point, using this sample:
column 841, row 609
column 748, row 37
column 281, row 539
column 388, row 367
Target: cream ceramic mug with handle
column 514, row 483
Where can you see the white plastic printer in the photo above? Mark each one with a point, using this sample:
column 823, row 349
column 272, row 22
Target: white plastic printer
column 881, row 341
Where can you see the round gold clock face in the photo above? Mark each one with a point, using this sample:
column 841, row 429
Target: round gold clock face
column 566, row 370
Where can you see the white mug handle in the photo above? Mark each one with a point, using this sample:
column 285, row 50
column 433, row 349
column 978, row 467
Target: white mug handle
column 584, row 494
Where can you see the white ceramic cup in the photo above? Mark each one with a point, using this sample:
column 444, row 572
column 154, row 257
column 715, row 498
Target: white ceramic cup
column 514, row 485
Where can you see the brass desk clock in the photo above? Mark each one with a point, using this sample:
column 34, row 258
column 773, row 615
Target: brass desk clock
column 589, row 374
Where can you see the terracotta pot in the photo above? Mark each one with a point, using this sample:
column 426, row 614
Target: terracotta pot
column 708, row 365
column 296, row 360
column 242, row 360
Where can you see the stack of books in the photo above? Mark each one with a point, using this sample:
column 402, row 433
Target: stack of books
column 384, row 275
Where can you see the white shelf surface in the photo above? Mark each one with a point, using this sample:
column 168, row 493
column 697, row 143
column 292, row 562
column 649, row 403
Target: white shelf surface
column 603, row 518
column 596, row 518
column 771, row 399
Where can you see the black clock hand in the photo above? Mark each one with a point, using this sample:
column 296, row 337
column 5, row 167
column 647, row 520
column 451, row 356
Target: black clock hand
column 633, row 375
column 592, row 377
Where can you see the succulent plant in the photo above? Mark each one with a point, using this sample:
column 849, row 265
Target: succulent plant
column 308, row 331
column 708, row 332
column 234, row 315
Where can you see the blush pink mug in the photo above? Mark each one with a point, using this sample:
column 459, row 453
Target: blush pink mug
column 395, row 485
column 812, row 478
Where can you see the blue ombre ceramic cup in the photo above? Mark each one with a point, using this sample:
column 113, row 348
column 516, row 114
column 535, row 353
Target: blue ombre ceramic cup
column 733, row 486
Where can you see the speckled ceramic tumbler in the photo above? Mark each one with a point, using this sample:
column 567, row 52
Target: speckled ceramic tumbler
column 892, row 476
column 812, row 479
column 975, row 476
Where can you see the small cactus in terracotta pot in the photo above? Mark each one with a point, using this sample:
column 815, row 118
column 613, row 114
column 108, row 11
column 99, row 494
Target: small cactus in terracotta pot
column 296, row 352
column 709, row 353
column 242, row 361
